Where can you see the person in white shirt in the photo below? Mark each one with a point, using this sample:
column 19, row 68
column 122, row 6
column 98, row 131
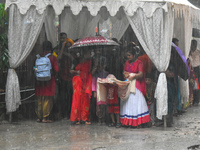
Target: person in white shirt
column 195, row 60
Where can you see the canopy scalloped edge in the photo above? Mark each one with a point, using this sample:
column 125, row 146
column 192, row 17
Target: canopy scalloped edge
column 93, row 6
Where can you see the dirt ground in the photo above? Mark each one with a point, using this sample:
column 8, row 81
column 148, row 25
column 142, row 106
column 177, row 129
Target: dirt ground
column 61, row 135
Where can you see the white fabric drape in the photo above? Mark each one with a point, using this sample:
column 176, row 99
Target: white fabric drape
column 50, row 26
column 155, row 35
column 113, row 26
column 84, row 24
column 119, row 24
column 185, row 19
column 76, row 5
column 184, row 85
column 118, row 27
column 184, row 90
column 79, row 26
column 198, row 42
column 23, row 33
column 179, row 33
column 90, row 28
column 188, row 31
column 183, row 32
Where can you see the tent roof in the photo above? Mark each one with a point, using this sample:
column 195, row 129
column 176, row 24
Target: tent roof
column 95, row 5
column 183, row 2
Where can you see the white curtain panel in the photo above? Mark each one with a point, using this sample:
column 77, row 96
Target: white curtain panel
column 23, row 33
column 183, row 32
column 105, row 28
column 84, row 24
column 185, row 19
column 113, row 26
column 198, row 42
column 50, row 26
column 78, row 26
column 188, row 31
column 155, row 35
column 90, row 28
column 179, row 31
column 184, row 85
column 119, row 24
column 196, row 25
column 184, row 90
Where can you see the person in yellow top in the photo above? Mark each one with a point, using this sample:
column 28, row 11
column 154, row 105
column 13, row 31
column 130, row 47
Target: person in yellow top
column 194, row 57
column 65, row 59
column 64, row 41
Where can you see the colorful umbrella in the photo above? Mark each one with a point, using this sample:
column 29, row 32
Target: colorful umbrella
column 94, row 41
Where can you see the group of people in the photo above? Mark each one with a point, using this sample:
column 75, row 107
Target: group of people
column 176, row 105
column 73, row 92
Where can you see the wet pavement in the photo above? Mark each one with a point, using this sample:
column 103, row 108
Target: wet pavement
column 61, row 135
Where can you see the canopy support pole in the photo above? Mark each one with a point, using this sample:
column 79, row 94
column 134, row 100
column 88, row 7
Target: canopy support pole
column 165, row 121
column 98, row 28
column 10, row 117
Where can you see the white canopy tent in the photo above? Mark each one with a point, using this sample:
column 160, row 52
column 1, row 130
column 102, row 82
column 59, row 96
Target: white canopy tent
column 151, row 20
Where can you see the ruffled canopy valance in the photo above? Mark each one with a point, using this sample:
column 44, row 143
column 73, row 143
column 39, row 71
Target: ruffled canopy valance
column 93, row 6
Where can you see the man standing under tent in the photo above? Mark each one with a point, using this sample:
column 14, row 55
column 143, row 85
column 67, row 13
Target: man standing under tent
column 64, row 98
column 177, row 101
column 57, row 49
column 171, row 83
column 195, row 60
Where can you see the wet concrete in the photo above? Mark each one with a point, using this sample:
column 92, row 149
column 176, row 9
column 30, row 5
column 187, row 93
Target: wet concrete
column 61, row 135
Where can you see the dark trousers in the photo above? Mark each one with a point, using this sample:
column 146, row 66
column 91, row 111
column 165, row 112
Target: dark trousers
column 93, row 116
column 171, row 97
column 64, row 99
column 94, row 109
column 196, row 93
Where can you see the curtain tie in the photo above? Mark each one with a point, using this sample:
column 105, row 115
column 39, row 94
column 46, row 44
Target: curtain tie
column 12, row 68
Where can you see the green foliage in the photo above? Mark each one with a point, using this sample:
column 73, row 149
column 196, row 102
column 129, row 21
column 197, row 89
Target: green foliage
column 4, row 63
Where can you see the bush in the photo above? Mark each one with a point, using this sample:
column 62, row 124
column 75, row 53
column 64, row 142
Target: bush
column 4, row 57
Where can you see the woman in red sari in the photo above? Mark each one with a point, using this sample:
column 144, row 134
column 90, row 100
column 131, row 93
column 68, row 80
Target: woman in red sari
column 82, row 90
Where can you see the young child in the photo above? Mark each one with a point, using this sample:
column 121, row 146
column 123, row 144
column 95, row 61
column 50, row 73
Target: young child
column 113, row 105
column 150, row 90
column 98, row 110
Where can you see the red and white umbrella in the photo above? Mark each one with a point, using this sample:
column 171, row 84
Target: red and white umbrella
column 94, row 41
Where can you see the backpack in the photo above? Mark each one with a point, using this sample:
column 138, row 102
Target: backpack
column 43, row 68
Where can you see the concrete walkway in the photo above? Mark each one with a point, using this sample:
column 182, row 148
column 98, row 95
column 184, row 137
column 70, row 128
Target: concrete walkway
column 60, row 135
